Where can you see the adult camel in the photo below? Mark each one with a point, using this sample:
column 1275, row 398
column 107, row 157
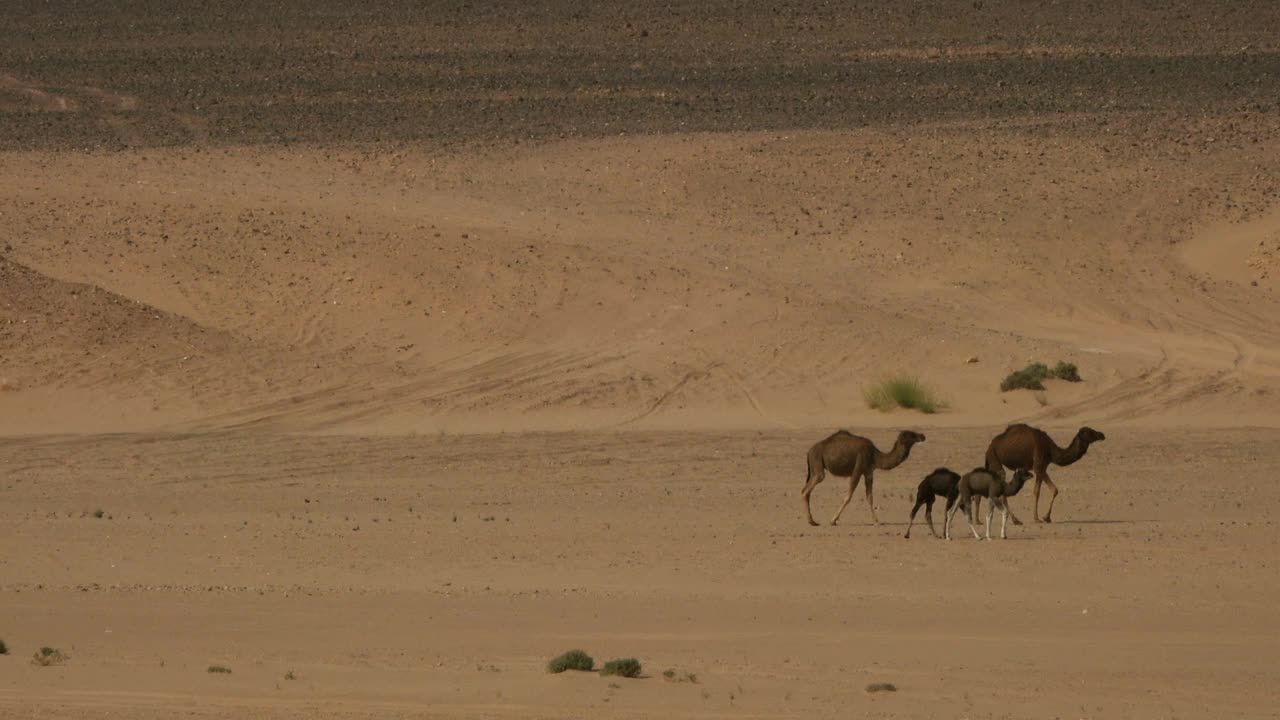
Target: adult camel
column 1022, row 447
column 844, row 454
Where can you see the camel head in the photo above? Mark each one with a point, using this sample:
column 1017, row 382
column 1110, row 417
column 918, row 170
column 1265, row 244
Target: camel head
column 1089, row 436
column 910, row 437
column 1020, row 478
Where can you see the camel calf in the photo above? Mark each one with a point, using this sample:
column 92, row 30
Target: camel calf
column 942, row 482
column 979, row 483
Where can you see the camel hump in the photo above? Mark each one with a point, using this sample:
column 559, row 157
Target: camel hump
column 841, row 433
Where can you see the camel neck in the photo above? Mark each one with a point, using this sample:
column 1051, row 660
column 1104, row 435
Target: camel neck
column 893, row 458
column 1071, row 453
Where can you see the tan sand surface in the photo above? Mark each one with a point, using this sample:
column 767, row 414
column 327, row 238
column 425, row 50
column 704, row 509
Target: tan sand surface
column 399, row 347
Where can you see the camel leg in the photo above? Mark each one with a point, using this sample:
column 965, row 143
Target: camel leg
column 928, row 513
column 810, row 484
column 853, row 485
column 1009, row 510
column 951, row 501
column 870, row 502
column 1042, row 476
column 1053, row 490
column 951, row 513
column 968, row 516
column 1004, row 518
column 991, row 508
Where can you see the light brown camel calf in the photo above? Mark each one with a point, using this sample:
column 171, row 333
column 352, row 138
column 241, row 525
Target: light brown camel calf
column 981, row 482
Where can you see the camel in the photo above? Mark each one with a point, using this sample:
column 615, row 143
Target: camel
column 844, row 454
column 942, row 482
column 1022, row 447
column 982, row 482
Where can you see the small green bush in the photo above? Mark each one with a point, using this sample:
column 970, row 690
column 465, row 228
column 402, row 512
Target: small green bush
column 219, row 670
column 4, row 649
column 48, row 656
column 882, row 687
column 901, row 391
column 1066, row 371
column 1030, row 377
column 622, row 667
column 572, row 660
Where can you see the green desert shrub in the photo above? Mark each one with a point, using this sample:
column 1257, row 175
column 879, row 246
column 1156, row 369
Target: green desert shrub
column 882, row 687
column 1032, row 377
column 622, row 667
column 572, row 660
column 674, row 676
column 47, row 656
column 219, row 670
column 1066, row 371
column 4, row 649
column 901, row 391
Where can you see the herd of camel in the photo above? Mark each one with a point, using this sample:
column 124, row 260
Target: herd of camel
column 1026, row 450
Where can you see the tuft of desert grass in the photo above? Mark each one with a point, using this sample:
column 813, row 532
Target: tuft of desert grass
column 572, row 660
column 219, row 670
column 4, row 649
column 902, row 391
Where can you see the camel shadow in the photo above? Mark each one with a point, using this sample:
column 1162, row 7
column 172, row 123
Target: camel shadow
column 1099, row 522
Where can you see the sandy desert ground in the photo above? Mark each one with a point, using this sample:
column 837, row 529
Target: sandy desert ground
column 381, row 352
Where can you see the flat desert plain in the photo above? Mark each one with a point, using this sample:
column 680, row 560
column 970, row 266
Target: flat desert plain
column 379, row 352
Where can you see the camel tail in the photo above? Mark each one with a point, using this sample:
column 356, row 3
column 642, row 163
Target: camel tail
column 813, row 464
